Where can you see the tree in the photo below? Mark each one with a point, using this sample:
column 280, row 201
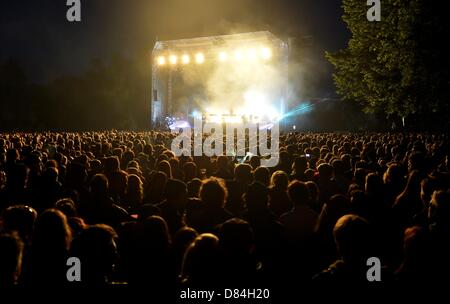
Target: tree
column 111, row 95
column 398, row 66
column 14, row 94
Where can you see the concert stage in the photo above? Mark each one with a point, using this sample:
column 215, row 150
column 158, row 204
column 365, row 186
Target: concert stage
column 220, row 78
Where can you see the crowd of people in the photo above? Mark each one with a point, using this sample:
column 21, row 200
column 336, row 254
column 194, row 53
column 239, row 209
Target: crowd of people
column 135, row 214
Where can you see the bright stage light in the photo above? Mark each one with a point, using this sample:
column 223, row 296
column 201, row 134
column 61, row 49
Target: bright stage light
column 223, row 56
column 199, row 58
column 251, row 54
column 272, row 113
column 233, row 119
column 258, row 107
column 179, row 124
column 254, row 99
column 214, row 118
column 238, row 55
column 173, row 59
column 161, row 60
column 196, row 114
column 185, row 59
column 266, row 53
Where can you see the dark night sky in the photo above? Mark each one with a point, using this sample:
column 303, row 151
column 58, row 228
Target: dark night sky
column 37, row 34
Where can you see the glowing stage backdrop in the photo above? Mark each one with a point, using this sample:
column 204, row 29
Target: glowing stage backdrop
column 239, row 76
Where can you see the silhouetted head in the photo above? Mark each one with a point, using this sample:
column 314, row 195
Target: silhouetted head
column 17, row 178
column 262, row 175
column 313, row 190
column 76, row 175
column 19, row 218
column 416, row 161
column 51, row 232
column 156, row 233
column 284, row 158
column 427, row 188
column 213, row 192
column 413, row 187
column 393, row 175
column 338, row 167
column 118, row 183
column 309, row 174
column 338, row 205
column 359, row 177
column 243, row 173
column 134, row 164
column 359, row 202
column 148, row 149
column 374, row 184
column 255, row 162
column 96, row 248
column 158, row 180
column 194, row 187
column 300, row 164
column 236, row 238
column 201, row 261
column 164, row 166
column 325, row 171
column 256, row 197
column 176, row 192
column 439, row 208
column 66, row 206
column 50, row 175
column 135, row 185
column 12, row 155
column 222, row 162
column 298, row 193
column 335, row 208
column 111, row 164
column 183, row 238
column 174, row 163
column 95, row 166
column 127, row 156
column 415, row 245
column 99, row 185
column 11, row 248
column 354, row 239
column 279, row 180
column 190, row 171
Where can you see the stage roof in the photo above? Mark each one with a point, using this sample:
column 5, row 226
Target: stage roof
column 262, row 37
